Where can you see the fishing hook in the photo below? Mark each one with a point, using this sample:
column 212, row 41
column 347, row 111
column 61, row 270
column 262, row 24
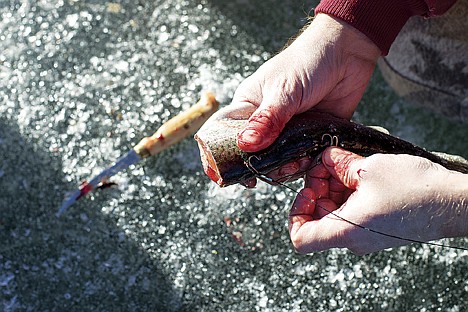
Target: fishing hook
column 257, row 174
column 332, row 140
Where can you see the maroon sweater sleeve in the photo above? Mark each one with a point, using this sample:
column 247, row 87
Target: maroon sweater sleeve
column 381, row 20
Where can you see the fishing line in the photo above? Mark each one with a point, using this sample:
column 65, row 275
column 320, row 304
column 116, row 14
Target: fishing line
column 369, row 229
column 269, row 180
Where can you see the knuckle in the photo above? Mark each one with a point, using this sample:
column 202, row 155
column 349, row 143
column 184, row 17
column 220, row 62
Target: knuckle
column 425, row 164
column 302, row 247
column 398, row 163
column 375, row 161
column 268, row 120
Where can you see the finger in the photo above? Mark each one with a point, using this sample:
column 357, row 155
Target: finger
column 284, row 171
column 317, row 235
column 338, row 191
column 320, row 187
column 336, row 185
column 318, row 171
column 343, row 165
column 347, row 194
column 302, row 209
column 314, row 178
column 291, row 171
column 324, row 207
column 249, row 93
column 266, row 123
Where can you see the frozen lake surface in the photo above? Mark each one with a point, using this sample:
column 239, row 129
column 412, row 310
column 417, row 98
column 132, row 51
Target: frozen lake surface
column 81, row 82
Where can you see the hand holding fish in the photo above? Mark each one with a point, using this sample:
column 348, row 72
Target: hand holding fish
column 300, row 102
column 326, row 68
column 400, row 195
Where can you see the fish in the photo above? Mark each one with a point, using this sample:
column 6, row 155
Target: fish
column 305, row 135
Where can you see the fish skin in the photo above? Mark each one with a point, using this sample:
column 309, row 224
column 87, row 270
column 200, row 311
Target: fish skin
column 306, row 134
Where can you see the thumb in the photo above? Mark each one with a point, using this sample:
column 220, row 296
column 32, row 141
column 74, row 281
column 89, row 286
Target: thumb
column 344, row 165
column 265, row 124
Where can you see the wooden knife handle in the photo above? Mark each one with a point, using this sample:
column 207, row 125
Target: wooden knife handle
column 179, row 127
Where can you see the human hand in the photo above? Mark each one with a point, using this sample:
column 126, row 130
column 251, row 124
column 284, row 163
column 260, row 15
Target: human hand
column 400, row 195
column 326, row 68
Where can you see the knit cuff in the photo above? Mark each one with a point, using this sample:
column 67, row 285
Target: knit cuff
column 379, row 20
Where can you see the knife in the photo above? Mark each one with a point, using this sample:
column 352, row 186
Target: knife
column 170, row 133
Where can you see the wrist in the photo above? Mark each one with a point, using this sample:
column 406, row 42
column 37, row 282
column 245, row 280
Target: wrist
column 380, row 21
column 339, row 34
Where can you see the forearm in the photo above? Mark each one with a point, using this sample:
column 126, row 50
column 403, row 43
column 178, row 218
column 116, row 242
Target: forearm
column 456, row 190
column 381, row 20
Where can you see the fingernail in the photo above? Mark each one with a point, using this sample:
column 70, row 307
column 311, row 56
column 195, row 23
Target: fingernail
column 250, row 136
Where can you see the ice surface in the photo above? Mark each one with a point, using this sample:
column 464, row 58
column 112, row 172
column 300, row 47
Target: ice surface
column 81, row 82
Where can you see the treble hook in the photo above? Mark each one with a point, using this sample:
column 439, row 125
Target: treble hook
column 257, row 174
column 333, row 140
